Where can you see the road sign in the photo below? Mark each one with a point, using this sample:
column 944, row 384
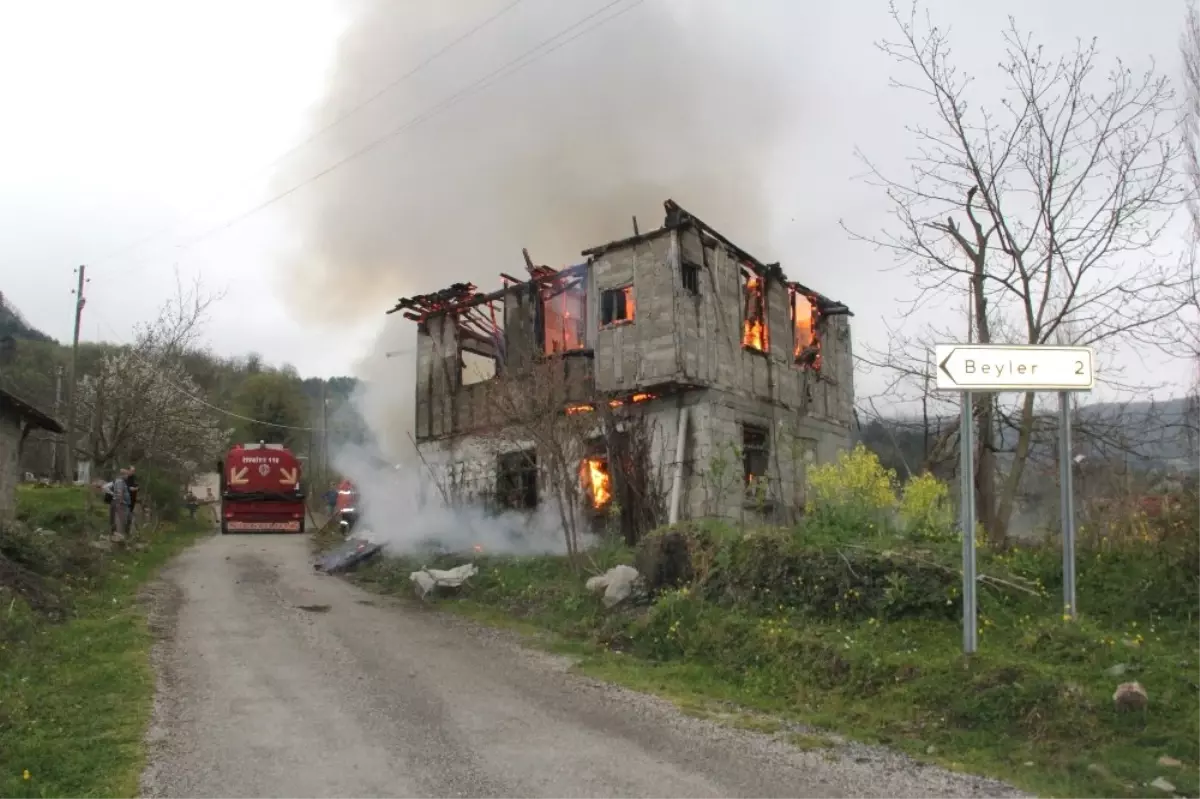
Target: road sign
column 1004, row 367
column 987, row 368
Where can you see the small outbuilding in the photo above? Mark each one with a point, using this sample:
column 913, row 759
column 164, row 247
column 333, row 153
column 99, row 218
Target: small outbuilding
column 17, row 419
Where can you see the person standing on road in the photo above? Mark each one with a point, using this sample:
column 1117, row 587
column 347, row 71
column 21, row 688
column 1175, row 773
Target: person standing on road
column 122, row 503
column 132, row 483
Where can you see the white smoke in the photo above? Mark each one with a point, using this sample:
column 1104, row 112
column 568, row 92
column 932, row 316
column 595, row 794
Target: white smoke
column 400, row 503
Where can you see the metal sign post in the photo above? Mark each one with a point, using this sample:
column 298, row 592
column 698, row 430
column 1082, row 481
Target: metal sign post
column 994, row 368
column 1067, row 501
column 967, row 516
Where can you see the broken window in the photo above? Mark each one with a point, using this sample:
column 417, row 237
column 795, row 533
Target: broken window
column 475, row 367
column 807, row 340
column 755, row 452
column 616, row 305
column 754, row 311
column 563, row 315
column 516, row 480
column 689, row 273
column 596, row 481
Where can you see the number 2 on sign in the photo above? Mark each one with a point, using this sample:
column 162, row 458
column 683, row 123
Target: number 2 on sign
column 1079, row 367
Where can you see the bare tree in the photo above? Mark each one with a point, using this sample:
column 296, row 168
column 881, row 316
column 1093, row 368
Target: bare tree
column 1046, row 204
column 1189, row 327
column 141, row 402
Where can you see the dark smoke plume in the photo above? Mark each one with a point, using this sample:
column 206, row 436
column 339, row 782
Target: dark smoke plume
column 672, row 99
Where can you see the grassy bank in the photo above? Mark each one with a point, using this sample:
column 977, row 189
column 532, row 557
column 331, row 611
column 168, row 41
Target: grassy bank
column 76, row 683
column 860, row 635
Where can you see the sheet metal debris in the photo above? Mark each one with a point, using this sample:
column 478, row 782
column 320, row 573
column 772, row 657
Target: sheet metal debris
column 348, row 556
column 426, row 581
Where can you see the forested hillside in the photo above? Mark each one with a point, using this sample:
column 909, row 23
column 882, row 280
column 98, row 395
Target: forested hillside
column 167, row 402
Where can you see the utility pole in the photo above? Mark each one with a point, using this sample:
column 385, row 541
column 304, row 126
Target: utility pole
column 55, row 453
column 324, row 433
column 72, row 376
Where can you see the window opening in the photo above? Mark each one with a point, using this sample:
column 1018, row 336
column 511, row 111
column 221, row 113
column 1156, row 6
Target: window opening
column 616, row 305
column 689, row 273
column 755, row 451
column 516, row 480
column 754, row 315
column 596, row 481
column 806, row 337
column 475, row 367
column 563, row 316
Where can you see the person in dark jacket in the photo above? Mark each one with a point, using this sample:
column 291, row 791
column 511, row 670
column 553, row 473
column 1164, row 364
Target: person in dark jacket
column 132, row 483
column 122, row 503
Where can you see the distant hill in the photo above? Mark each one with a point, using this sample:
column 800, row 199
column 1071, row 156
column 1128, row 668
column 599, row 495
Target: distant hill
column 1151, row 435
column 13, row 324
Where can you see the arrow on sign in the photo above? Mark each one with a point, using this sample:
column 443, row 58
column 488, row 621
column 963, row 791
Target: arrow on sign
column 288, row 478
column 237, row 476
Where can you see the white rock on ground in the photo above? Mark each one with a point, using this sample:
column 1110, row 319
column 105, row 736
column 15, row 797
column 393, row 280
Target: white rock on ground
column 426, row 581
column 616, row 583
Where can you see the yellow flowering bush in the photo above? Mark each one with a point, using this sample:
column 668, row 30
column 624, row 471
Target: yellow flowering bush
column 925, row 509
column 854, row 488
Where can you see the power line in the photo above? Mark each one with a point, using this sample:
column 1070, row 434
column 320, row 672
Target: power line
column 180, row 390
column 508, row 69
column 341, row 118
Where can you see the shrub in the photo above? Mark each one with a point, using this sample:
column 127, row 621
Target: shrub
column 854, row 490
column 925, row 510
column 767, row 570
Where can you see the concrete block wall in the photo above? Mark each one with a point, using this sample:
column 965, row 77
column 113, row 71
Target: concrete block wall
column 646, row 351
column 716, row 477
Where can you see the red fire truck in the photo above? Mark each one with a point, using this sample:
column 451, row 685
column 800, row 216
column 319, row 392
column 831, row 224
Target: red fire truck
column 261, row 490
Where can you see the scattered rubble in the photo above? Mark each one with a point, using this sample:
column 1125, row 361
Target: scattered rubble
column 426, row 581
column 1163, row 785
column 1130, row 696
column 617, row 584
column 348, row 556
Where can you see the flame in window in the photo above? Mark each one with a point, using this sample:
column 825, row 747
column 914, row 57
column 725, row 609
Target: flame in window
column 754, row 328
column 563, row 318
column 807, row 340
column 641, row 396
column 593, row 473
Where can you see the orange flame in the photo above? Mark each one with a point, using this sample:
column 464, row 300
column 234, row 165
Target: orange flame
column 573, row 409
column 754, row 332
column 593, row 473
column 807, row 341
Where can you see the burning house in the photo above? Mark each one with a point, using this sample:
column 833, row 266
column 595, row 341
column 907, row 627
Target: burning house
column 736, row 377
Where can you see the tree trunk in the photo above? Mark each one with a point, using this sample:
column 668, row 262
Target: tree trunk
column 1020, row 457
column 985, row 454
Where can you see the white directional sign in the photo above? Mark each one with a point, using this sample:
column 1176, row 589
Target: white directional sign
column 1003, row 367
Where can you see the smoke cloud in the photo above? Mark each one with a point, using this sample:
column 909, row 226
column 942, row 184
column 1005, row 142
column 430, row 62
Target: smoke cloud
column 669, row 100
column 400, row 504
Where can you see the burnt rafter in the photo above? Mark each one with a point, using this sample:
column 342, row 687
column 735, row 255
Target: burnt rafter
column 461, row 297
column 422, row 306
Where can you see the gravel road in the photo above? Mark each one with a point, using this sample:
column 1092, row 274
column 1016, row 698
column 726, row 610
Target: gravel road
column 276, row 681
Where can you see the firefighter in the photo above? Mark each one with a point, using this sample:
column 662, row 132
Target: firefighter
column 345, row 497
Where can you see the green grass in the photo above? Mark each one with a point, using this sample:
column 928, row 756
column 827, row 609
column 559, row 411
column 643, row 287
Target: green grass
column 1033, row 706
column 76, row 696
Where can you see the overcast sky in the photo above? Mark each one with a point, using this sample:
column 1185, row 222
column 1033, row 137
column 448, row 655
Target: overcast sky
column 134, row 133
